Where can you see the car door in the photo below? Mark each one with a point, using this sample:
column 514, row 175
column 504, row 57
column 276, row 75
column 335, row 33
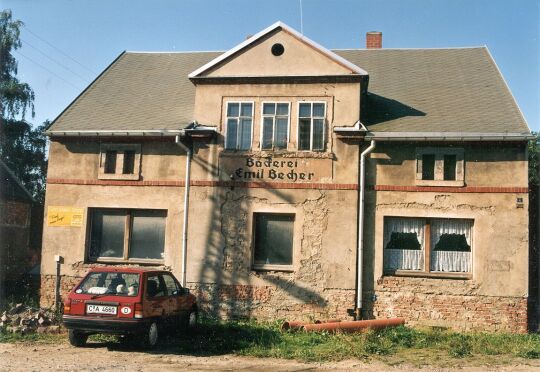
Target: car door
column 178, row 301
column 156, row 296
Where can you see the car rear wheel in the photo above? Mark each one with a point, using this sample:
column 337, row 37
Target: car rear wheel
column 151, row 337
column 76, row 338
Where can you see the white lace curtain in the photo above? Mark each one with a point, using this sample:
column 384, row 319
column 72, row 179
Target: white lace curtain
column 404, row 259
column 450, row 261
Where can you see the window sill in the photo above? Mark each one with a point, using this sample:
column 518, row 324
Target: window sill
column 440, row 183
column 120, row 177
column 120, row 261
column 435, row 275
column 284, row 268
column 277, row 154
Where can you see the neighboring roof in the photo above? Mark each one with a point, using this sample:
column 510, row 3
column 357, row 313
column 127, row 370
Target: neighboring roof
column 410, row 90
column 138, row 91
column 11, row 188
column 276, row 26
column 436, row 90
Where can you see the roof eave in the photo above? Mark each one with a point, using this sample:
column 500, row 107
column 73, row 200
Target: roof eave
column 448, row 136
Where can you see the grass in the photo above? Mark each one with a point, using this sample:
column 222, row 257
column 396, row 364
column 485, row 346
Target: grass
column 391, row 345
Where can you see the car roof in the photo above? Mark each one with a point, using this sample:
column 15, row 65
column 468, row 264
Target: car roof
column 116, row 269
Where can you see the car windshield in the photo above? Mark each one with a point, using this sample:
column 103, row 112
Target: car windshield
column 110, row 283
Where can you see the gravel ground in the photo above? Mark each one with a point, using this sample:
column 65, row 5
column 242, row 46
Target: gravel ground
column 109, row 357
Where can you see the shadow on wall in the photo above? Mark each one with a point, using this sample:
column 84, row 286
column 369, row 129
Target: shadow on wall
column 380, row 109
column 224, row 285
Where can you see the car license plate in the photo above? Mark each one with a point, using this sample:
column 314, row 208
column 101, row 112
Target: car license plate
column 101, row 309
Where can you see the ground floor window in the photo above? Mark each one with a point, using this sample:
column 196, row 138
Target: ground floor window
column 427, row 245
column 273, row 241
column 126, row 234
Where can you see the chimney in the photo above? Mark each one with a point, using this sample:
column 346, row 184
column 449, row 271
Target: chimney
column 374, row 40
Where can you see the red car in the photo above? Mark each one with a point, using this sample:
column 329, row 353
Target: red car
column 137, row 303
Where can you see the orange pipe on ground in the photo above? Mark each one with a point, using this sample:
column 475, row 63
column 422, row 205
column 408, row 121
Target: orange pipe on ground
column 354, row 326
column 291, row 325
column 328, row 321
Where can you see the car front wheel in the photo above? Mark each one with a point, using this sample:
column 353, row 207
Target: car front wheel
column 77, row 339
column 151, row 337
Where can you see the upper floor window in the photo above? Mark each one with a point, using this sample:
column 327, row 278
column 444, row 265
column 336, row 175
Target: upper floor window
column 119, row 161
column 311, row 116
column 439, row 166
column 239, row 125
column 275, row 126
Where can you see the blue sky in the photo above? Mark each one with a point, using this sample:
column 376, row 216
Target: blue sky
column 66, row 43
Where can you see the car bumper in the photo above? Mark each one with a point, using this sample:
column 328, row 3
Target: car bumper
column 103, row 325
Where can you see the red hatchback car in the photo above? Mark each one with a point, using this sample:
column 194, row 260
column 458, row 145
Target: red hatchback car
column 128, row 301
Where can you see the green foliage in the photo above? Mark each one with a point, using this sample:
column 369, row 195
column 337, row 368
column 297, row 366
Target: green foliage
column 15, row 97
column 23, row 150
column 392, row 345
column 534, row 160
column 22, row 147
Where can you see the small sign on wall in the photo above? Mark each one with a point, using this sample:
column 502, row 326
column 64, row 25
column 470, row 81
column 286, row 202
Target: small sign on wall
column 64, row 216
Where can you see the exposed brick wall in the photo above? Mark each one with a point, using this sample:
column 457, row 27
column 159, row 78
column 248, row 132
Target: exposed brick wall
column 48, row 285
column 422, row 302
column 269, row 303
column 394, row 297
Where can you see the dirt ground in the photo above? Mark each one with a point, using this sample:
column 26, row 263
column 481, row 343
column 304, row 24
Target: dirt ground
column 108, row 357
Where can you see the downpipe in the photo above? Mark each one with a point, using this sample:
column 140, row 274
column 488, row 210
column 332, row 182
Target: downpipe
column 189, row 154
column 360, row 252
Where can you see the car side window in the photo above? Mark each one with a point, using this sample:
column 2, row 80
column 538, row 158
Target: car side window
column 170, row 283
column 155, row 287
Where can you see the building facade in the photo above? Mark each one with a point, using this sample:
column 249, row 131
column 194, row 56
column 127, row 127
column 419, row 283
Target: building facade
column 280, row 179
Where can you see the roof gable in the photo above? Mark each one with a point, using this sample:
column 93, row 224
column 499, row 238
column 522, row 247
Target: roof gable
column 254, row 57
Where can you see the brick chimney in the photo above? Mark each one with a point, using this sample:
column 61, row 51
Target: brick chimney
column 373, row 40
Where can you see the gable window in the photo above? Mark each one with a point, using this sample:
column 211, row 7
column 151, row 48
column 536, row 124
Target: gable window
column 126, row 235
column 311, row 117
column 437, row 246
column 239, row 125
column 440, row 166
column 275, row 126
column 119, row 161
column 273, row 243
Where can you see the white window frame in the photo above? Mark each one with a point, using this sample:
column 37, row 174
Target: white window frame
column 311, row 126
column 274, row 125
column 238, row 117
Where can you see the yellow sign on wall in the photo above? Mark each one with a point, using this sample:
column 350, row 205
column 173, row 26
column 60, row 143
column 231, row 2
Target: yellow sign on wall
column 64, row 216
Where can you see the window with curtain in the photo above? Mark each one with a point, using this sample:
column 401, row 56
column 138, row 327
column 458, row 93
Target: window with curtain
column 451, row 241
column 239, row 125
column 404, row 243
column 428, row 245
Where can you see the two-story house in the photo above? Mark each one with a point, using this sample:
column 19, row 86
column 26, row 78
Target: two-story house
column 280, row 179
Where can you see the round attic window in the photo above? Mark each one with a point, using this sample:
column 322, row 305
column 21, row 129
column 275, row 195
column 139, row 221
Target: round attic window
column 277, row 49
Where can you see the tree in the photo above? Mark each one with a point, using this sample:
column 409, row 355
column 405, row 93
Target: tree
column 22, row 147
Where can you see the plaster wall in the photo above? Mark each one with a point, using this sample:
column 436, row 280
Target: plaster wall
column 298, row 59
column 485, row 164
